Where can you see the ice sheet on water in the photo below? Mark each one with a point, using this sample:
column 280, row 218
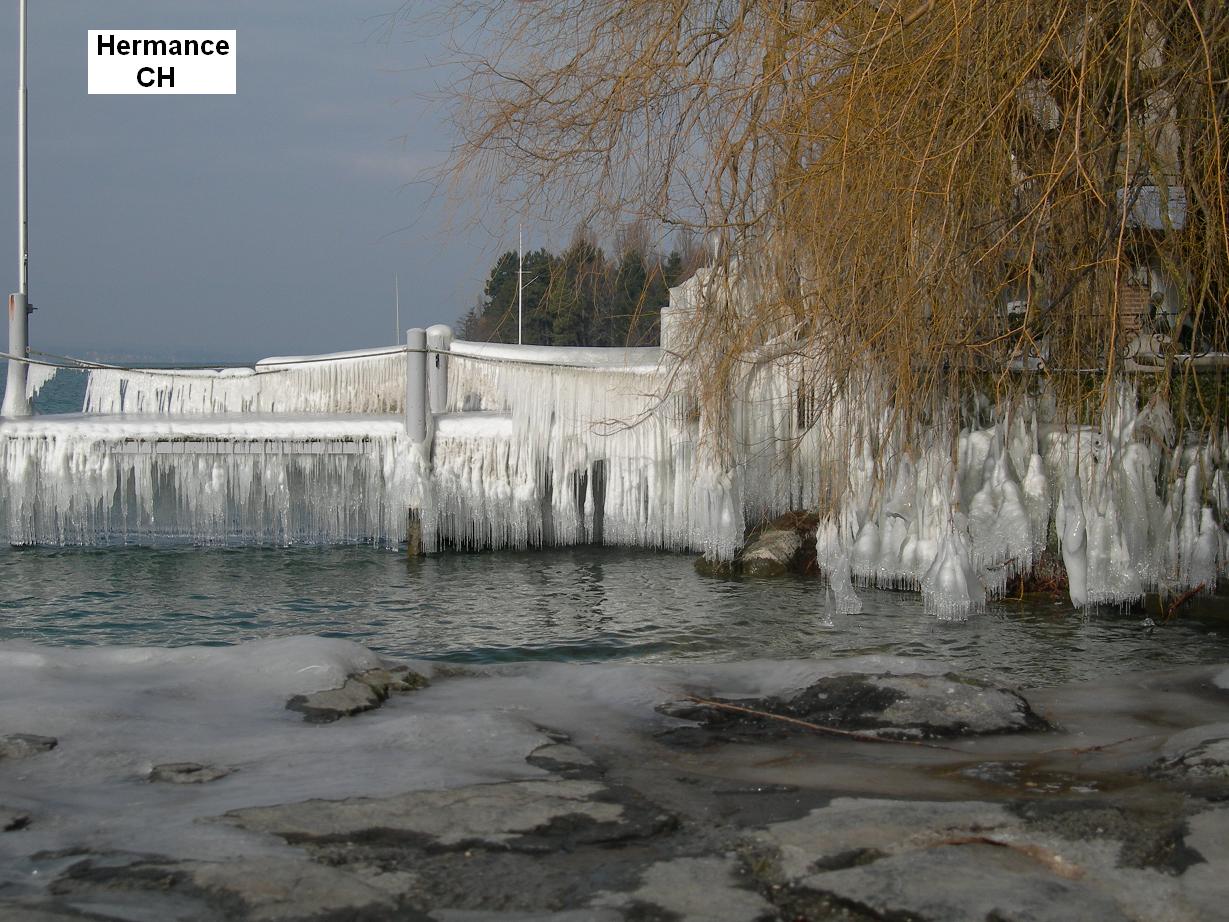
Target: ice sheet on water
column 117, row 712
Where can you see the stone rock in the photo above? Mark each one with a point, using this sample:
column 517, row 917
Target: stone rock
column 28, row 912
column 362, row 692
column 1033, row 860
column 1199, row 755
column 532, row 816
column 24, row 745
column 566, row 915
column 564, row 759
column 187, row 773
column 772, row 553
column 12, row 820
column 965, row 883
column 891, row 706
column 261, row 889
column 852, row 831
column 693, row 890
column 724, row 569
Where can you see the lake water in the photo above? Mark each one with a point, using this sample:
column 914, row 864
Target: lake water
column 581, row 604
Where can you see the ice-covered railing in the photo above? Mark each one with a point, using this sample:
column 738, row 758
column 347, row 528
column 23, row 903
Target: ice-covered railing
column 208, row 481
column 598, row 437
column 509, row 446
column 363, row 381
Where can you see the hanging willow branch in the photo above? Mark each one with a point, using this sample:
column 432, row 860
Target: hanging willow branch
column 890, row 175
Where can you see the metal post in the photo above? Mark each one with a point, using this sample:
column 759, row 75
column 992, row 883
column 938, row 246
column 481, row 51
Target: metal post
column 439, row 342
column 15, row 401
column 520, row 283
column 416, row 385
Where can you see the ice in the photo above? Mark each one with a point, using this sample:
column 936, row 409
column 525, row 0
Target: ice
column 548, row 445
column 843, row 600
column 218, row 480
column 951, row 587
column 371, row 381
column 118, row 711
column 38, row 377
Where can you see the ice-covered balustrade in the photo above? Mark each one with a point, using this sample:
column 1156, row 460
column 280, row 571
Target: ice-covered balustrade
column 364, row 381
column 263, row 480
column 603, row 440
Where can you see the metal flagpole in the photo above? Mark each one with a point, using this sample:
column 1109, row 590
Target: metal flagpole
column 15, row 401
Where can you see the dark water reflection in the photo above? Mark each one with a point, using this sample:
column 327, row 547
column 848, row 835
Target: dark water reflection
column 586, row 604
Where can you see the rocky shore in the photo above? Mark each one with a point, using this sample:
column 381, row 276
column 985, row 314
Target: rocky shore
column 220, row 785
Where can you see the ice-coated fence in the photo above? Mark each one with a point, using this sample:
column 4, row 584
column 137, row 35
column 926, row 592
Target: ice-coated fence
column 511, row 446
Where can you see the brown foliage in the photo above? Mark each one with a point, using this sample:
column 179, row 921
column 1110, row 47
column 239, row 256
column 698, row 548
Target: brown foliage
column 891, row 175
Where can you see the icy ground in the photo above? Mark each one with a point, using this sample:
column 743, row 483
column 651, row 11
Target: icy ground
column 153, row 784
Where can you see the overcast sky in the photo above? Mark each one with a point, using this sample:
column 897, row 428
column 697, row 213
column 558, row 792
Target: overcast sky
column 272, row 221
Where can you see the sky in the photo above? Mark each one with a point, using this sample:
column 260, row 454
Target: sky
column 231, row 227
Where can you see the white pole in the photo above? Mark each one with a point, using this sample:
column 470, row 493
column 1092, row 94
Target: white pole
column 23, row 146
column 520, row 282
column 416, row 385
column 397, row 301
column 439, row 344
column 15, row 401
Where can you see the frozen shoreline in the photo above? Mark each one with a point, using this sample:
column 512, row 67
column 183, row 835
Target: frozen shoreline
column 540, row 788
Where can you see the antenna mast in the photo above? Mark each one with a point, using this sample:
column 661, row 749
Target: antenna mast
column 16, row 403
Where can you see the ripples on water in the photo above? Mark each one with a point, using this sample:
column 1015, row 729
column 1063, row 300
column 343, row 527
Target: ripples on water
column 583, row 604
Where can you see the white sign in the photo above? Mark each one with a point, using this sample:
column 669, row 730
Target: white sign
column 158, row 61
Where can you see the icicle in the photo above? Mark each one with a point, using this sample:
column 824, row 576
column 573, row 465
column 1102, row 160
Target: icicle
column 951, row 587
column 38, row 377
column 1072, row 536
column 845, row 600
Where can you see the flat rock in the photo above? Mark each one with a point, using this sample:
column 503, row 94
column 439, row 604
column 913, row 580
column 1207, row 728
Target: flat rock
column 855, row 830
column 1197, row 755
column 362, row 692
column 257, row 889
column 566, row 915
column 892, row 706
column 692, row 890
column 965, row 883
column 29, row 912
column 12, row 820
column 187, row 773
column 24, row 745
column 533, row 816
column 1033, row 860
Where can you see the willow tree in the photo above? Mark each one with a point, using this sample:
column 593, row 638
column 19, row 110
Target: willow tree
column 926, row 190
